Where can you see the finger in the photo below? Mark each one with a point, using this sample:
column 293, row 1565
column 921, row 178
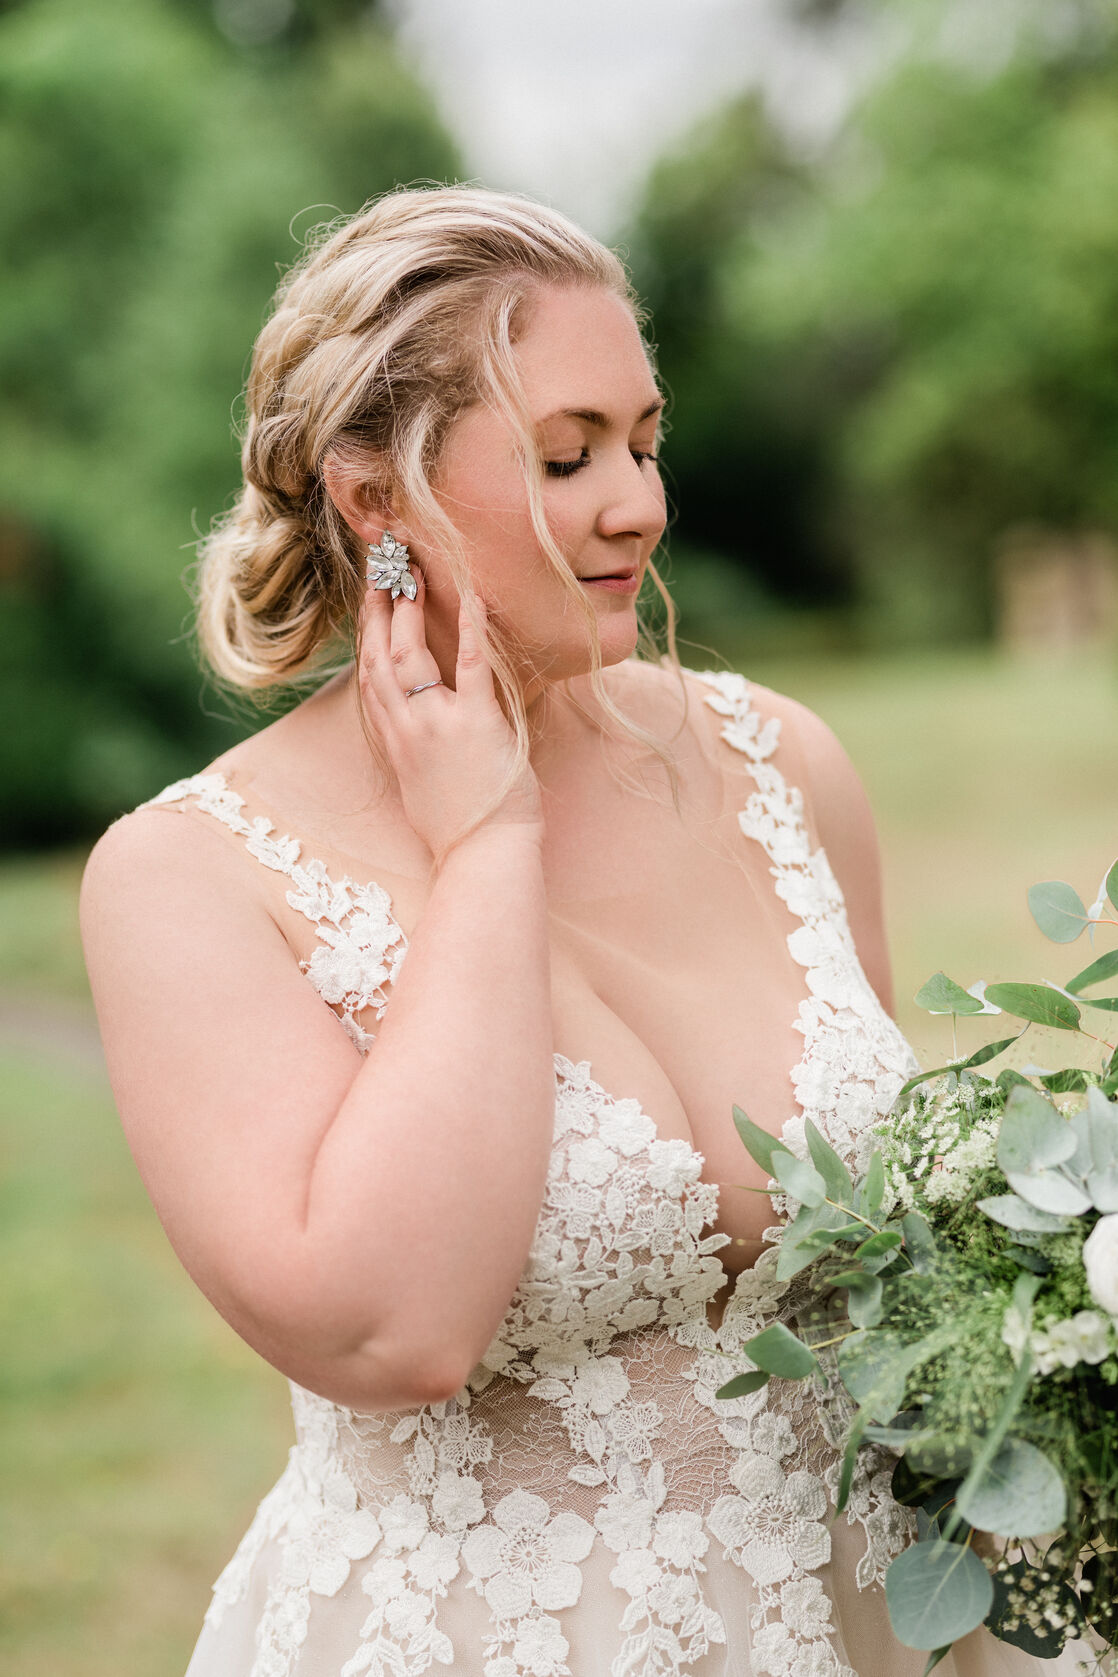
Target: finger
column 473, row 674
column 412, row 662
column 376, row 674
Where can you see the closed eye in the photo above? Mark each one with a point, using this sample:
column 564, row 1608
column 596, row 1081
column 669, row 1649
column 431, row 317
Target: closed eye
column 567, row 468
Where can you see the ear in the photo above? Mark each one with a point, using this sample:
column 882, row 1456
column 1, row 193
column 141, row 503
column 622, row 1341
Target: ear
column 355, row 494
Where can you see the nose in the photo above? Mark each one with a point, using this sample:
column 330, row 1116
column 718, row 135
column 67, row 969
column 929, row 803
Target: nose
column 634, row 504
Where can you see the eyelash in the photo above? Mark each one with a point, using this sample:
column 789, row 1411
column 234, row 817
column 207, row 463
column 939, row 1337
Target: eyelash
column 567, row 468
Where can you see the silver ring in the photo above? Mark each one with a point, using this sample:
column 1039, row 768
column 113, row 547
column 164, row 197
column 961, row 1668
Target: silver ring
column 422, row 688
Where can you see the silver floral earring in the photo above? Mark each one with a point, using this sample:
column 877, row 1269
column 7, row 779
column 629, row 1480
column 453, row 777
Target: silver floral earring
column 388, row 567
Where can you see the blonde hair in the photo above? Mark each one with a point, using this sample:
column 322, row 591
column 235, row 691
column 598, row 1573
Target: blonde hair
column 390, row 325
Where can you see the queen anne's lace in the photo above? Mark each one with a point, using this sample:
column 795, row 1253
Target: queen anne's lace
column 590, row 1424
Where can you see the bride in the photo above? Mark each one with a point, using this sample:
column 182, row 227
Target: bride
column 425, row 1008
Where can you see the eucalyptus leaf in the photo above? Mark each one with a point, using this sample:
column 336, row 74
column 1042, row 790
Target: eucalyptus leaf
column 979, row 1058
column 939, row 1457
column 920, row 1242
column 935, row 1657
column 1014, row 1213
column 830, row 1167
column 799, row 1246
column 1032, row 1261
column 1097, row 1123
column 1033, row 1135
column 875, row 1364
column 799, row 1179
column 1011, row 1079
column 884, row 1241
column 942, row 995
column 1112, row 885
column 1051, row 1191
column 759, row 1144
column 777, row 1350
column 863, row 1302
column 742, row 1384
column 1058, row 910
column 1107, row 1004
column 1038, row 1003
column 936, row 1592
column 873, row 1188
column 1063, row 1082
column 1105, row 967
column 1018, row 1494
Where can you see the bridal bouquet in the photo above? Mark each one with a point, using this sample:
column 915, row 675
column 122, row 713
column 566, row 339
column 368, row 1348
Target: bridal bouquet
column 960, row 1300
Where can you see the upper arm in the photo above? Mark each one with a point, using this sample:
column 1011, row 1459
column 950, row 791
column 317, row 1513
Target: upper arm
column 838, row 812
column 226, row 1067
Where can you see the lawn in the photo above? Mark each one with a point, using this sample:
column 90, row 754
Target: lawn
column 139, row 1432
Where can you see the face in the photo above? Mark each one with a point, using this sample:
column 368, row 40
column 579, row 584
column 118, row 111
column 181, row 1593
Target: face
column 595, row 408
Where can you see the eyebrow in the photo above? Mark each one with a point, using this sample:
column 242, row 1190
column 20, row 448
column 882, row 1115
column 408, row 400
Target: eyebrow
column 600, row 420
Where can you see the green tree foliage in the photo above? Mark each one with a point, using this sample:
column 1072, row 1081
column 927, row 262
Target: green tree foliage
column 963, row 253
column 745, row 454
column 155, row 177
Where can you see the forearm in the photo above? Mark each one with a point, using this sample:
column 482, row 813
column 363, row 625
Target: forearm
column 425, row 1189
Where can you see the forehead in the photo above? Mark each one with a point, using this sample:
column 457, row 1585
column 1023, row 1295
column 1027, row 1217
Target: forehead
column 580, row 348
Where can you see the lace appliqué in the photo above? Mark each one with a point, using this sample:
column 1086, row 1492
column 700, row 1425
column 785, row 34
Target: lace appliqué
column 361, row 944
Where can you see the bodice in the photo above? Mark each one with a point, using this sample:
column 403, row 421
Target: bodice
column 591, row 1420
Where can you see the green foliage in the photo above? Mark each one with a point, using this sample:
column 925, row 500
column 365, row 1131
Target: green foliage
column 968, row 1336
column 928, row 320
column 150, row 174
column 936, row 1592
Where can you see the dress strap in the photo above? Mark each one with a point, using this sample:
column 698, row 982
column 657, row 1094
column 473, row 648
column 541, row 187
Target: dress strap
column 361, row 943
column 854, row 1058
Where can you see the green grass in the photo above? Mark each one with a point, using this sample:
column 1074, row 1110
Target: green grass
column 139, row 1432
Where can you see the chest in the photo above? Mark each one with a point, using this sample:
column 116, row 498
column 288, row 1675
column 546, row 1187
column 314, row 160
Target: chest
column 671, row 970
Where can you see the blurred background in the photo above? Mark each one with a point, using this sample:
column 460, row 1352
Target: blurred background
column 879, row 239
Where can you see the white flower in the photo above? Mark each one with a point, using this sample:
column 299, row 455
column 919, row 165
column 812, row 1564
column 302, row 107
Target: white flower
column 671, row 1165
column 404, row 1524
column 599, row 1385
column 804, row 1605
column 524, row 1557
column 672, row 1598
column 1082, row 1338
column 772, row 1650
column 626, row 1127
column 817, row 1660
column 588, row 1161
column 772, row 1435
column 434, row 1563
column 680, row 1537
column 540, row 1647
column 1100, row 1260
column 625, row 1521
column 637, row 1571
column 774, row 1526
column 457, row 1501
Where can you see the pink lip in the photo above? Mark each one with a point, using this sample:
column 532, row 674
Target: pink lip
column 623, row 582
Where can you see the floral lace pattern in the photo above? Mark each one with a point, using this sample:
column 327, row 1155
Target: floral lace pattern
column 590, row 1427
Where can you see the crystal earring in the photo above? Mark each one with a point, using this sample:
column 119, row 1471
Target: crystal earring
column 388, row 567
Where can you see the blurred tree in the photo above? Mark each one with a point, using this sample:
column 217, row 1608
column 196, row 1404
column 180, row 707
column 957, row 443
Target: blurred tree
column 745, row 454
column 150, row 170
column 963, row 251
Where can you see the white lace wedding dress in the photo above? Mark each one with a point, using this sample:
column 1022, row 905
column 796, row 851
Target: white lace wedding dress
column 586, row 1506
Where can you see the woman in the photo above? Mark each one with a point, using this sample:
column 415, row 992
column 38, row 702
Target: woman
column 482, row 1207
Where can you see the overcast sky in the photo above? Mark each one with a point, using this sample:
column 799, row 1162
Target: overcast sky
column 575, row 99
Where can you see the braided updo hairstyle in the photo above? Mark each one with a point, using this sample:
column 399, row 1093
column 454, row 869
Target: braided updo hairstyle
column 389, row 326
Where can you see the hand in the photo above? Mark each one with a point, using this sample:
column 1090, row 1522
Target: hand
column 452, row 750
